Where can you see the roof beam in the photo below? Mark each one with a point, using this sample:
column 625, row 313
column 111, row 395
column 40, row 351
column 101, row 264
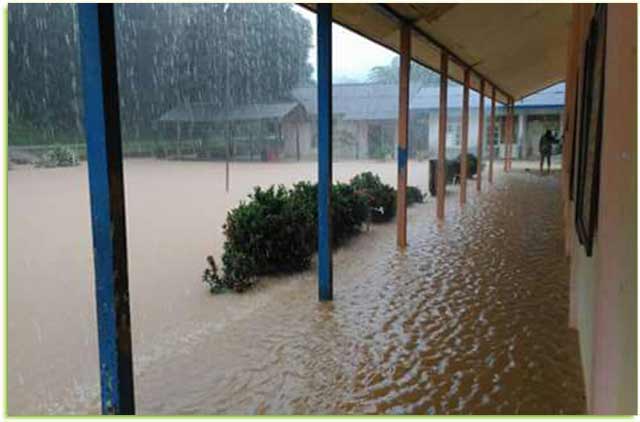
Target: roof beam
column 391, row 14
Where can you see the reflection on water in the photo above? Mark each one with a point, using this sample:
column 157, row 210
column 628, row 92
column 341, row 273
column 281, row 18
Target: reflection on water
column 472, row 318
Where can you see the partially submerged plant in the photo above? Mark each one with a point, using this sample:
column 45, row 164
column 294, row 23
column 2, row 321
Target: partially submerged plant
column 275, row 231
column 59, row 156
column 382, row 197
column 268, row 234
column 211, row 278
column 414, row 195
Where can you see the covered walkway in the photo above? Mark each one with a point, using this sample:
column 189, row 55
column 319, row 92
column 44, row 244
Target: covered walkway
column 498, row 284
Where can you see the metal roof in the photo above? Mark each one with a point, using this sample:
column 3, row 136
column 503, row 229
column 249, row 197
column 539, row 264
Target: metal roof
column 207, row 112
column 547, row 98
column 356, row 102
column 380, row 102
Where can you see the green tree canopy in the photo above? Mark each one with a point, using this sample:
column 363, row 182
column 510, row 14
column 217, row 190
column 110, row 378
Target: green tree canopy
column 168, row 54
column 390, row 74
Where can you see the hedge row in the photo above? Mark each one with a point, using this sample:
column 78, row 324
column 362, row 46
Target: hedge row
column 275, row 231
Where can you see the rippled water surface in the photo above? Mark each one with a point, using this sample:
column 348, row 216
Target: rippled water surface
column 471, row 318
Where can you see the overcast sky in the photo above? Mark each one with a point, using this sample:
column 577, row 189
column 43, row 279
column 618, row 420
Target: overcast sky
column 349, row 62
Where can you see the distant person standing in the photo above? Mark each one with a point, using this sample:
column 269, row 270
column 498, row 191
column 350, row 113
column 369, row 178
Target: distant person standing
column 546, row 144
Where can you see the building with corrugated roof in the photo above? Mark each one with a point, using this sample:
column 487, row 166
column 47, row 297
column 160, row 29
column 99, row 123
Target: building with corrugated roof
column 365, row 119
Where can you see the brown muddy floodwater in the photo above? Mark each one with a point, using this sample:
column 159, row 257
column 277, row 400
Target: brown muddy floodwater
column 472, row 318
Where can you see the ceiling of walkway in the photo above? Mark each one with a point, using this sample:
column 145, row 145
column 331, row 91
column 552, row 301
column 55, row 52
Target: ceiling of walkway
column 519, row 47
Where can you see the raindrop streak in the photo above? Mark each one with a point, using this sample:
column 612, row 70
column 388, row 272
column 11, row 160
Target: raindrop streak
column 471, row 319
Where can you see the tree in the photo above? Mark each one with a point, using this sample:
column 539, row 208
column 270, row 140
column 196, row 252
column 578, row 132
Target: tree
column 168, row 54
column 390, row 74
column 44, row 82
column 221, row 54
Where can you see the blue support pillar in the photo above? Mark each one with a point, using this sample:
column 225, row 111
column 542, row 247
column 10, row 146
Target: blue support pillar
column 104, row 157
column 325, row 110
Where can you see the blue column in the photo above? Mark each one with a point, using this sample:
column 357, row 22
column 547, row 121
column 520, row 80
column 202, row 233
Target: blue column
column 104, row 157
column 325, row 109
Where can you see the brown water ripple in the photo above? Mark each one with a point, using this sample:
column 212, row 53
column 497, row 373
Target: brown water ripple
column 472, row 318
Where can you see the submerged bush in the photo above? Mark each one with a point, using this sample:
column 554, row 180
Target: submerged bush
column 268, row 234
column 414, row 195
column 275, row 231
column 381, row 198
column 303, row 196
column 58, row 157
column 348, row 212
column 348, row 209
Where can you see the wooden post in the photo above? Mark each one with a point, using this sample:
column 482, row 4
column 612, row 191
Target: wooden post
column 325, row 110
column 226, row 155
column 178, row 135
column 492, row 128
column 508, row 135
column 512, row 131
column 480, row 136
column 281, row 146
column 465, row 138
column 511, row 135
column 403, row 133
column 179, row 144
column 442, row 136
column 297, row 143
column 106, row 187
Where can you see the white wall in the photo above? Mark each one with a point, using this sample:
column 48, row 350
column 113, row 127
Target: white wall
column 454, row 150
column 304, row 133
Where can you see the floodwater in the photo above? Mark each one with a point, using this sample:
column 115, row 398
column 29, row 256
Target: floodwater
column 472, row 318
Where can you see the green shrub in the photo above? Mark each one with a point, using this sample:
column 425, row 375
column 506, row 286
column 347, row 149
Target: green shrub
column 414, row 195
column 348, row 209
column 303, row 196
column 348, row 212
column 267, row 235
column 59, row 156
column 275, row 231
column 213, row 279
column 381, row 198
